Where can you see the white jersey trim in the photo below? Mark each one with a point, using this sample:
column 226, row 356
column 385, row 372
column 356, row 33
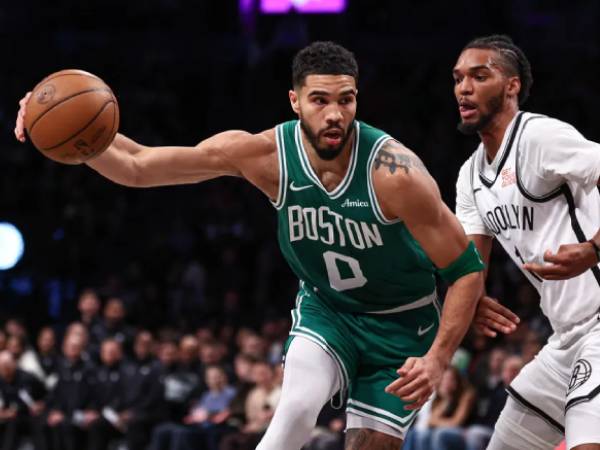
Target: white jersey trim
column 372, row 195
column 283, row 176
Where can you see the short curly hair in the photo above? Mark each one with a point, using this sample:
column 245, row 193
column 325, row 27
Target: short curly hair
column 513, row 59
column 323, row 58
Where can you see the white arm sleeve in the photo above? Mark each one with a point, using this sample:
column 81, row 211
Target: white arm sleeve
column 466, row 210
column 563, row 154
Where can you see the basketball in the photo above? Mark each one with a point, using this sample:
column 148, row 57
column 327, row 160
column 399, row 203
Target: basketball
column 72, row 116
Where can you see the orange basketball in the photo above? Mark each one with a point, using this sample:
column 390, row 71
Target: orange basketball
column 72, row 116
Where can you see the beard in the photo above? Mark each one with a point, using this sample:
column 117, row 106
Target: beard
column 493, row 106
column 326, row 153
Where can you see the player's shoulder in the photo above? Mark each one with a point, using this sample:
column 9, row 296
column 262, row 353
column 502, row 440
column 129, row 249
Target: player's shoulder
column 464, row 174
column 539, row 128
column 396, row 168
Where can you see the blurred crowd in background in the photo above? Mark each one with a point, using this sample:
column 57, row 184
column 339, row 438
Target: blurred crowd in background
column 157, row 318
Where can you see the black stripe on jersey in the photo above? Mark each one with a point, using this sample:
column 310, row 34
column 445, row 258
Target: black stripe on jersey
column 528, row 195
column 519, row 398
column 583, row 398
column 575, row 225
column 511, row 141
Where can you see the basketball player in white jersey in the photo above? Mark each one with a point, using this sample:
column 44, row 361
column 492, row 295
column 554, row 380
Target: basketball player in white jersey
column 532, row 184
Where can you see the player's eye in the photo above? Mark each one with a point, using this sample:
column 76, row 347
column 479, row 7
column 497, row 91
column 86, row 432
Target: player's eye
column 346, row 101
column 481, row 77
column 320, row 101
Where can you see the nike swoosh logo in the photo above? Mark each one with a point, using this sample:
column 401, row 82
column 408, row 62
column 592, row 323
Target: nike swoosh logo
column 422, row 331
column 299, row 188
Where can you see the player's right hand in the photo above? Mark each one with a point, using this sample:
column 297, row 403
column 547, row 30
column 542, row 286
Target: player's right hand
column 491, row 317
column 20, row 125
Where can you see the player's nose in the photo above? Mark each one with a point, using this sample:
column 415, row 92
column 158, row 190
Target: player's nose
column 334, row 114
column 465, row 87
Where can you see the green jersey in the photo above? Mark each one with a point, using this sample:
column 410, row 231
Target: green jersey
column 339, row 243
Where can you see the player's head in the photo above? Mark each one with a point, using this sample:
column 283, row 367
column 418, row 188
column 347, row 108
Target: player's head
column 324, row 77
column 492, row 75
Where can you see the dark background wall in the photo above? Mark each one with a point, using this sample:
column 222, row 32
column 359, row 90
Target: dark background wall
column 183, row 70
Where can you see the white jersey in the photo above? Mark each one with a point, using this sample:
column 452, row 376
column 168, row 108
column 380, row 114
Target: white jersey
column 538, row 193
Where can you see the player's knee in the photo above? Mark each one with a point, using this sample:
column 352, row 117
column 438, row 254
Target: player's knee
column 301, row 410
column 362, row 438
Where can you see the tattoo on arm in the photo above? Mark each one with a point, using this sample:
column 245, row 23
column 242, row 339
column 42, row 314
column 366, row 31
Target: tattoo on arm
column 393, row 156
column 363, row 439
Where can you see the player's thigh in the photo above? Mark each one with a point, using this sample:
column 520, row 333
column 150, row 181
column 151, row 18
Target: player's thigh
column 384, row 343
column 314, row 320
column 519, row 428
column 582, row 408
column 541, row 386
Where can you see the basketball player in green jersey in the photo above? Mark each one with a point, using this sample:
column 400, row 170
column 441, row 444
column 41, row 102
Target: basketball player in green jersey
column 362, row 224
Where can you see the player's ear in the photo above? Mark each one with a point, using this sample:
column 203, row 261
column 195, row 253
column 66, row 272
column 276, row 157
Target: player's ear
column 513, row 87
column 294, row 101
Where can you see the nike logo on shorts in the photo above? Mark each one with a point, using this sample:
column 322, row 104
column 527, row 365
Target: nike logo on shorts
column 422, row 331
column 295, row 188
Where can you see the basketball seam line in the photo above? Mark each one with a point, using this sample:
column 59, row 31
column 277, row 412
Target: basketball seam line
column 111, row 136
column 45, row 80
column 81, row 130
column 107, row 89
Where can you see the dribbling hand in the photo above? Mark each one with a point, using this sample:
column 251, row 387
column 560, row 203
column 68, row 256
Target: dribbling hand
column 20, row 124
column 491, row 317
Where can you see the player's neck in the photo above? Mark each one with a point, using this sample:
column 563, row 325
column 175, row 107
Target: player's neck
column 334, row 168
column 493, row 134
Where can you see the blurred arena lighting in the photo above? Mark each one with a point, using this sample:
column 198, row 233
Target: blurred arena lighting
column 11, row 245
column 299, row 6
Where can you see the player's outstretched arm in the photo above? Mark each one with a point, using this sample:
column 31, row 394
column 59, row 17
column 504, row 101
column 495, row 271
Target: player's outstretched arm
column 405, row 190
column 234, row 153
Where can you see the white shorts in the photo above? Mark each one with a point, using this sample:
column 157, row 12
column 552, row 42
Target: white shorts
column 562, row 384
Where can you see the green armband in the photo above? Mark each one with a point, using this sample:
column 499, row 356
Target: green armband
column 468, row 262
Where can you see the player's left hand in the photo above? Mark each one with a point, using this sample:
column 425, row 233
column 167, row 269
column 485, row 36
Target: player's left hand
column 569, row 261
column 418, row 379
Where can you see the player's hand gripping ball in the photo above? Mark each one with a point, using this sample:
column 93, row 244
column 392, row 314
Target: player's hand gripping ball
column 72, row 116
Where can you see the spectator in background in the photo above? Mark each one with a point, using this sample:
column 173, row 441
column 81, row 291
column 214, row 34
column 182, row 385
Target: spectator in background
column 89, row 308
column 180, row 385
column 532, row 345
column 113, row 326
column 20, row 405
column 449, row 411
column 275, row 332
column 242, row 365
column 487, row 374
column 15, row 327
column 213, row 353
column 189, row 351
column 144, row 396
column 79, row 330
column 205, row 421
column 70, row 404
column 260, row 407
column 25, row 356
column 47, row 356
column 253, row 345
column 110, row 391
column 488, row 406
column 3, row 338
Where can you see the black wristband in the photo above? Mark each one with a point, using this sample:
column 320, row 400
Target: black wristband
column 596, row 249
